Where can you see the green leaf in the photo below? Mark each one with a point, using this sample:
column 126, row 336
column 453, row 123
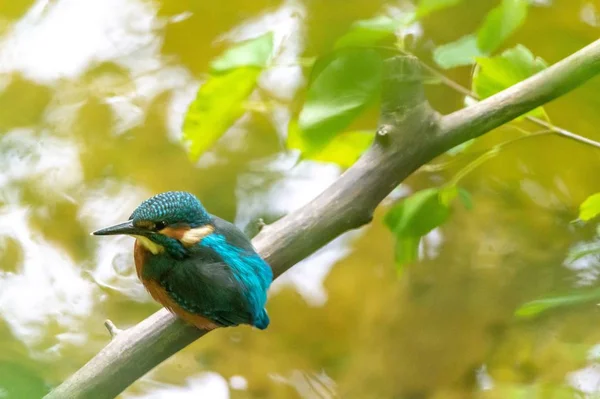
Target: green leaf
column 590, row 208
column 500, row 23
column 342, row 86
column 406, row 250
column 344, row 149
column 418, row 214
column 458, row 53
column 218, row 104
column 412, row 218
column 250, row 53
column 426, row 7
column 494, row 74
column 534, row 308
column 449, row 193
column 370, row 32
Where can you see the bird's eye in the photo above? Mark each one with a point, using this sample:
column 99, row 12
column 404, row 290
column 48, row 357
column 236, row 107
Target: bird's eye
column 160, row 225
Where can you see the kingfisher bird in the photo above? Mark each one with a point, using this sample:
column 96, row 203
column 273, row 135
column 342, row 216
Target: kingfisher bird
column 200, row 267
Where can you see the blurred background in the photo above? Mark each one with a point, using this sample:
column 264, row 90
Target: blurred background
column 92, row 98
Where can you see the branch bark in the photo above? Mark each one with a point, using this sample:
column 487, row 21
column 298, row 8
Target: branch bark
column 410, row 134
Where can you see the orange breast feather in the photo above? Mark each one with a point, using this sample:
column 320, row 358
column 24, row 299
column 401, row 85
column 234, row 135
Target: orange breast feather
column 161, row 296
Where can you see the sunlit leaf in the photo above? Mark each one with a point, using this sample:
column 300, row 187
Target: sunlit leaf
column 370, row 32
column 449, row 193
column 418, row 214
column 344, row 149
column 340, row 89
column 534, row 308
column 590, row 208
column 250, row 53
column 500, row 23
column 425, row 7
column 412, row 218
column 218, row 104
column 458, row 53
column 494, row 74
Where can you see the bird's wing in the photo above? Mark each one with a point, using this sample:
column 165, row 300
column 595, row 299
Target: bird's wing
column 208, row 290
column 224, row 280
column 238, row 239
column 233, row 234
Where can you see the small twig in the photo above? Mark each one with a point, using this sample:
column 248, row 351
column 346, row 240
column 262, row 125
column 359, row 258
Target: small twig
column 491, row 153
column 112, row 329
column 439, row 166
column 564, row 133
column 463, row 90
column 260, row 224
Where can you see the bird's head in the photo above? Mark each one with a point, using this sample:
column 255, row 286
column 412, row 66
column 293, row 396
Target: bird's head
column 170, row 221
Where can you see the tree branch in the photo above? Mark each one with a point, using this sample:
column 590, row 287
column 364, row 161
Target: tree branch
column 515, row 101
column 410, row 134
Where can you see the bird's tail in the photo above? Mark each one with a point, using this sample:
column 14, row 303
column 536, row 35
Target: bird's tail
column 262, row 321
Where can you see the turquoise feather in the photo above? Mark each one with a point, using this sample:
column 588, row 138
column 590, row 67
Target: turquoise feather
column 250, row 271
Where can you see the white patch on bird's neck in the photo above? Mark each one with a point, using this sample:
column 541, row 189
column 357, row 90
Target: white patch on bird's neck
column 150, row 245
column 194, row 236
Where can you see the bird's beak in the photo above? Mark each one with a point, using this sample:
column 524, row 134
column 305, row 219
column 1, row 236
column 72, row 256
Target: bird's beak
column 121, row 228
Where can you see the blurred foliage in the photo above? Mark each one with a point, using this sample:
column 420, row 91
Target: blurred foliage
column 22, row 103
column 17, row 381
column 500, row 23
column 425, row 7
column 583, row 250
column 15, row 9
column 191, row 40
column 255, row 52
column 370, row 32
column 588, row 210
